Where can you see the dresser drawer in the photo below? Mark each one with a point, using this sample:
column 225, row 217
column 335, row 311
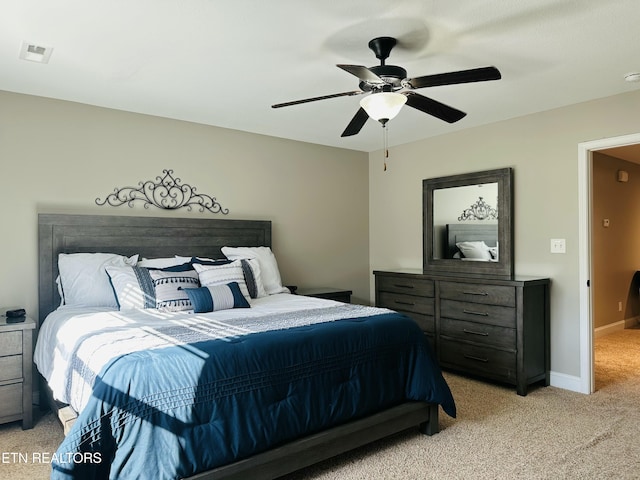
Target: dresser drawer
column 426, row 323
column 406, row 303
column 11, row 368
column 471, row 292
column 11, row 343
column 409, row 286
column 484, row 361
column 479, row 333
column 480, row 313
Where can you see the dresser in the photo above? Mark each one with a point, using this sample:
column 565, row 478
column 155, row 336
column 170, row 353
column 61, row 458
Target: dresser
column 490, row 328
column 16, row 371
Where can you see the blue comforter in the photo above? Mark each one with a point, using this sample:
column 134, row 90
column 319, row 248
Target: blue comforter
column 172, row 412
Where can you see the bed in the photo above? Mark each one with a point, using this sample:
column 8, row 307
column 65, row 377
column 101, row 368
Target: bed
column 219, row 404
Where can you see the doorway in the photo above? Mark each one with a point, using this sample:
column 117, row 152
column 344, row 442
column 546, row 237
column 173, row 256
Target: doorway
column 585, row 206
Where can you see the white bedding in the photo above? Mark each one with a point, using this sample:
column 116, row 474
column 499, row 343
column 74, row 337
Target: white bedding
column 107, row 333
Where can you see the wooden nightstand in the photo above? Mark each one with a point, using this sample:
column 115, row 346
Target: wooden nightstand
column 329, row 293
column 16, row 357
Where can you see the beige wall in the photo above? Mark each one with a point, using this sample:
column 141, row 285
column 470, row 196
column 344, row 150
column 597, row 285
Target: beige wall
column 543, row 150
column 616, row 256
column 58, row 156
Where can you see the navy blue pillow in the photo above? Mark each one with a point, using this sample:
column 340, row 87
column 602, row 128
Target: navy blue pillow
column 216, row 297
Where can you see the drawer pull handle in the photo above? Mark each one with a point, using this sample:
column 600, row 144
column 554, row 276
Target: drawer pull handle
column 403, row 286
column 480, row 294
column 405, row 303
column 471, row 357
column 471, row 332
column 472, row 312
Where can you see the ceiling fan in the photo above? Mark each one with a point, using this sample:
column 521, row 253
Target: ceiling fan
column 389, row 87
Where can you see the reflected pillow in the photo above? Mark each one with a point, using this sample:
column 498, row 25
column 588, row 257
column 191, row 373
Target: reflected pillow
column 474, row 250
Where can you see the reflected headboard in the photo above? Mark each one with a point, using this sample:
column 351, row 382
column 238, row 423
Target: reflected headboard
column 127, row 235
column 467, row 232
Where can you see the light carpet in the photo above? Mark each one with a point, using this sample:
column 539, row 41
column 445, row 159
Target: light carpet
column 549, row 434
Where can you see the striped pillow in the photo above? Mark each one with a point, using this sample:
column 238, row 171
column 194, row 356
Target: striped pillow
column 212, row 275
column 217, row 297
column 138, row 287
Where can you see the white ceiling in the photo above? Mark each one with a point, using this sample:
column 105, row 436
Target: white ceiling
column 224, row 63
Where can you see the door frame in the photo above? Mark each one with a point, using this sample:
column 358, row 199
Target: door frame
column 585, row 199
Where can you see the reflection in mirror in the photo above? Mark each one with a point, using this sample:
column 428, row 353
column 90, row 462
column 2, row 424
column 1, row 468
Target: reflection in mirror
column 465, row 222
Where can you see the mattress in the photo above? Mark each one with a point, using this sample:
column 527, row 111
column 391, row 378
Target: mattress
column 168, row 395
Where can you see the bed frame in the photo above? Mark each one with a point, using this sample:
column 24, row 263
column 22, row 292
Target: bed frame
column 164, row 237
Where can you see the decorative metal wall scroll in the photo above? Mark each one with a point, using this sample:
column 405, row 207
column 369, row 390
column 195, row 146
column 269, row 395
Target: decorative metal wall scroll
column 480, row 210
column 167, row 192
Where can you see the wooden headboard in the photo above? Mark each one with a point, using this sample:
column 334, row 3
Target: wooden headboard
column 126, row 235
column 470, row 232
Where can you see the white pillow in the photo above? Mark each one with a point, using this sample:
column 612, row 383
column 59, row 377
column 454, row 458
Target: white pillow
column 211, row 275
column 269, row 272
column 84, row 280
column 474, row 250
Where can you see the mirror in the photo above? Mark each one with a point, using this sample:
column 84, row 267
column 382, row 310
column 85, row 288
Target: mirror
column 467, row 224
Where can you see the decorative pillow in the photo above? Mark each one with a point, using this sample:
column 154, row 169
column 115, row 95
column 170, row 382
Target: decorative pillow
column 138, row 287
column 474, row 250
column 270, row 275
column 211, row 275
column 216, row 297
column 84, row 281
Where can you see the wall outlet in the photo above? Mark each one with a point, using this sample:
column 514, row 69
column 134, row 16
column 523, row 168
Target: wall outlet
column 619, row 306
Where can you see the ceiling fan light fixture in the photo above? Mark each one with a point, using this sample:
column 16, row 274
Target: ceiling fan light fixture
column 383, row 106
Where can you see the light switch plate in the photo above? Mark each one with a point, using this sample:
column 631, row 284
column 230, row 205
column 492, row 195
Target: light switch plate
column 558, row 245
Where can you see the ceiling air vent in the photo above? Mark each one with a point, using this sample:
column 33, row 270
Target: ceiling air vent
column 35, row 53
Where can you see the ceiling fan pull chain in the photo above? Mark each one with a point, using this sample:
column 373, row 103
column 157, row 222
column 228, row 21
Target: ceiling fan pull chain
column 385, row 141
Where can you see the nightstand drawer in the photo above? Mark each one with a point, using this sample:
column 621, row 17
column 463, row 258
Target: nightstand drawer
column 476, row 293
column 478, row 333
column 406, row 303
column 409, row 286
column 11, row 368
column 11, row 400
column 11, row 343
column 485, row 361
column 477, row 312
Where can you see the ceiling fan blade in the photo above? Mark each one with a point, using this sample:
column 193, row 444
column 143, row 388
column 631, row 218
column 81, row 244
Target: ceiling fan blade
column 433, row 107
column 363, row 73
column 463, row 76
column 313, row 99
column 356, row 123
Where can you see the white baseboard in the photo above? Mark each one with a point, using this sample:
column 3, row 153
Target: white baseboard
column 607, row 329
column 566, row 382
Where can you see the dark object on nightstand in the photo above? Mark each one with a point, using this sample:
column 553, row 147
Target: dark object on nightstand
column 328, row 293
column 16, row 357
column 15, row 316
column 18, row 312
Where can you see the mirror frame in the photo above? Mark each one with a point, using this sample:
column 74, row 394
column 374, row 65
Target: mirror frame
column 502, row 268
